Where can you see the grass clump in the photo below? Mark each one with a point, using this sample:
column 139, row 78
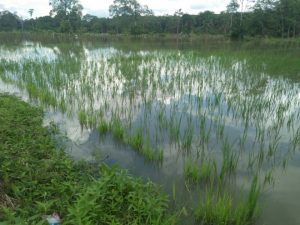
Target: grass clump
column 37, row 179
column 40, row 178
column 214, row 210
column 118, row 198
column 196, row 173
column 103, row 127
column 152, row 154
column 191, row 171
column 218, row 208
column 136, row 140
column 117, row 129
column 82, row 116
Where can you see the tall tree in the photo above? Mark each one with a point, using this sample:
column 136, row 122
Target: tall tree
column 238, row 29
column 30, row 12
column 243, row 6
column 289, row 11
column 128, row 8
column 232, row 8
column 65, row 7
column 205, row 22
column 187, row 23
column 68, row 13
column 9, row 21
column 178, row 14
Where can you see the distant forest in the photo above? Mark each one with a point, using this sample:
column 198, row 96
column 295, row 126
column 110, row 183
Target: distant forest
column 264, row 18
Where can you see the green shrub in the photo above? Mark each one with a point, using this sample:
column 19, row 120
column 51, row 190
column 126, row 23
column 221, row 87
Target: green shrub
column 37, row 179
column 117, row 198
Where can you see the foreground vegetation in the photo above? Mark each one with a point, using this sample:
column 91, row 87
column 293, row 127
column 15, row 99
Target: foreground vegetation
column 37, row 179
column 200, row 119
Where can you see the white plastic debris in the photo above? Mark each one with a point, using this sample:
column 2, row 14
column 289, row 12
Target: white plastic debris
column 53, row 219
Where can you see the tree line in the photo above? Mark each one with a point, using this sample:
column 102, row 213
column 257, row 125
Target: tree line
column 266, row 18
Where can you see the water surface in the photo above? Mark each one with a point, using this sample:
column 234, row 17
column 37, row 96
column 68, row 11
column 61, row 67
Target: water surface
column 205, row 104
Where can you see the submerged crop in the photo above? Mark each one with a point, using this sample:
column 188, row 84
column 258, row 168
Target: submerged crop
column 214, row 117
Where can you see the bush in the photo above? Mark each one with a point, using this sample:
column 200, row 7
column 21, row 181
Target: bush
column 37, row 179
column 117, row 198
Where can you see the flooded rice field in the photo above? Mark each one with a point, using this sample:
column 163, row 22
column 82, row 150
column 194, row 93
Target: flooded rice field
column 216, row 124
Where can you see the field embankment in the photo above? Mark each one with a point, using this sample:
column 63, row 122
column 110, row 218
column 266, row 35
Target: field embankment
column 37, row 179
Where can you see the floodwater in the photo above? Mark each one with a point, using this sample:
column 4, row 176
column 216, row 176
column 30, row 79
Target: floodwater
column 204, row 104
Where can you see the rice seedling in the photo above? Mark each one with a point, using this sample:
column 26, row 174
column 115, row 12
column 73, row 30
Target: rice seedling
column 229, row 161
column 187, row 140
column 117, row 129
column 103, row 127
column 218, row 208
column 150, row 154
column 214, row 210
column 82, row 116
column 136, row 140
column 195, row 172
column 174, row 191
column 247, row 211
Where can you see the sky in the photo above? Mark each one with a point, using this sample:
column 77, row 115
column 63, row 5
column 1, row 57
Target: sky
column 100, row 7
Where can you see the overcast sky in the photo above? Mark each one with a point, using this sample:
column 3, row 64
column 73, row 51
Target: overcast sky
column 100, row 7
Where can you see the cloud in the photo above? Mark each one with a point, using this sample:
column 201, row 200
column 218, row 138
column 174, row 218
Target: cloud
column 200, row 6
column 97, row 12
column 212, row 5
column 160, row 11
column 100, row 8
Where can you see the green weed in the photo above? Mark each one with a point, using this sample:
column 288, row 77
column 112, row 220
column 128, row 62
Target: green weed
column 38, row 179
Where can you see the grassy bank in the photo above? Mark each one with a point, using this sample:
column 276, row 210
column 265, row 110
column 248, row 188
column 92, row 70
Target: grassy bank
column 54, row 37
column 37, row 179
column 165, row 39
